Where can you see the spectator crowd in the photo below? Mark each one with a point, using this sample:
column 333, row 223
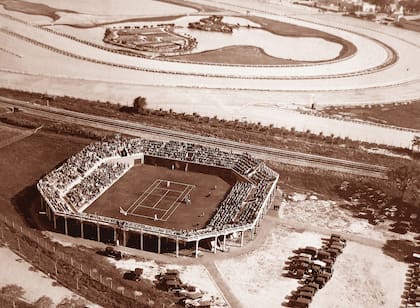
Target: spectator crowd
column 85, row 176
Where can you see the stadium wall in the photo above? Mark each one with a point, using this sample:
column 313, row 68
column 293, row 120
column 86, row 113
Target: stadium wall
column 224, row 173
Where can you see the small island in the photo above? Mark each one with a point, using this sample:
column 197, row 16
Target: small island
column 212, row 23
column 158, row 40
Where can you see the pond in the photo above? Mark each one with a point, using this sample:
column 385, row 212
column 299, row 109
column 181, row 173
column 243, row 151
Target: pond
column 285, row 47
column 294, row 48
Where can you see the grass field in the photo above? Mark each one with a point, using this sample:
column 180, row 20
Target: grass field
column 24, row 162
column 399, row 115
column 3, row 110
column 7, row 132
column 248, row 55
column 127, row 7
column 140, row 192
column 33, row 8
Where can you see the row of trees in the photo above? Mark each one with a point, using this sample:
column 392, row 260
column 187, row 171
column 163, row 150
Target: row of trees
column 410, row 6
column 406, row 178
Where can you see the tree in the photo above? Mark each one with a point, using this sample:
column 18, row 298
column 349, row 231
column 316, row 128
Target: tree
column 139, row 105
column 44, row 302
column 382, row 4
column 416, row 143
column 406, row 178
column 12, row 292
column 74, row 302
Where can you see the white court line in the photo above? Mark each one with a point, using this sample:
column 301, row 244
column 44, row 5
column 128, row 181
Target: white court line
column 145, row 195
column 135, row 202
column 161, row 197
column 144, row 216
column 188, row 189
column 179, row 183
column 174, row 202
column 160, row 188
column 152, row 208
column 151, row 189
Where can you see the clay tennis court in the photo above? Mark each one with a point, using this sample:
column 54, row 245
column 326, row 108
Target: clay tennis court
column 160, row 200
column 143, row 194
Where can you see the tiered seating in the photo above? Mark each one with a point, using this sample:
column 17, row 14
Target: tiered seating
column 184, row 152
column 254, row 204
column 230, row 206
column 94, row 184
column 76, row 166
column 246, row 164
column 83, row 177
column 51, row 194
column 263, row 174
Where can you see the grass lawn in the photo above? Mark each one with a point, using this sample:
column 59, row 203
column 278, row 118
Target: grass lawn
column 7, row 132
column 399, row 115
column 32, row 8
column 248, row 55
column 24, row 162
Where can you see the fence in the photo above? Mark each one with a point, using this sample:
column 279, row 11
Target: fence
column 68, row 270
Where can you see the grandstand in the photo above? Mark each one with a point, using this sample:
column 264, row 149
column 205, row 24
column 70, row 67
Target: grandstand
column 169, row 192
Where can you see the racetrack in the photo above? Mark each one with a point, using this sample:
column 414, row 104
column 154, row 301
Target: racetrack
column 383, row 70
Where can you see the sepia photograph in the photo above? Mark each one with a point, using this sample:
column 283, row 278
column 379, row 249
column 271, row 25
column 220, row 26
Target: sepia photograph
column 210, row 153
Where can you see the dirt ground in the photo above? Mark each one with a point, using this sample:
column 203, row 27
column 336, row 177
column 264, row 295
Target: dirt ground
column 363, row 275
column 139, row 178
column 256, row 278
column 328, row 215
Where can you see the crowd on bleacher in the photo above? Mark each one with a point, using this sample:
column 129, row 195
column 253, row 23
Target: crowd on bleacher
column 255, row 203
column 182, row 151
column 84, row 176
column 77, row 166
column 231, row 205
column 94, row 184
column 246, row 164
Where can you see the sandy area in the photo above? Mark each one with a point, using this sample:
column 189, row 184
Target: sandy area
column 328, row 215
column 195, row 275
column 387, row 153
column 226, row 104
column 258, row 100
column 14, row 270
column 256, row 278
column 361, row 61
column 363, row 277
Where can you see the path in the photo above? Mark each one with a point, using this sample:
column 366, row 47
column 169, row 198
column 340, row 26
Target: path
column 220, row 282
column 22, row 135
